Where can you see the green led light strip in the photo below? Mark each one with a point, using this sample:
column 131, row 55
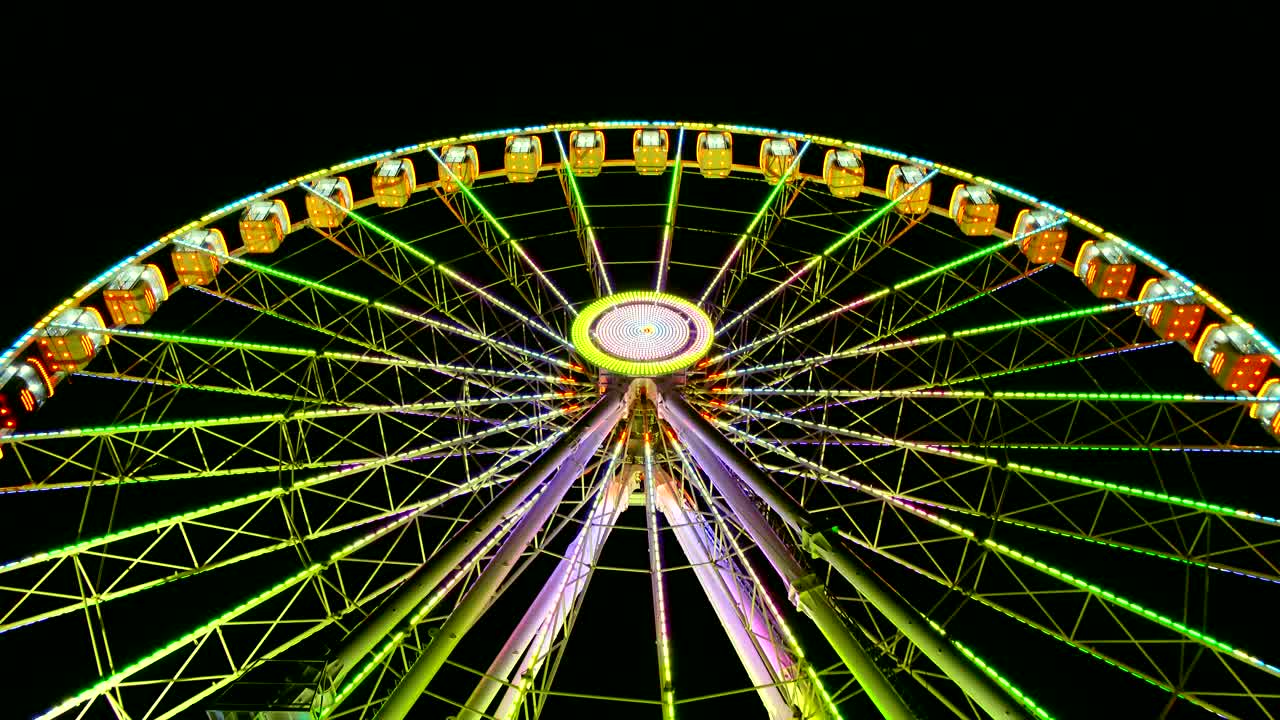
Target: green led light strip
column 994, row 674
column 865, row 299
column 1015, row 467
column 121, row 675
column 668, row 226
column 817, row 258
column 406, row 361
column 390, row 309
column 444, row 269
column 275, row 417
column 842, row 481
column 939, row 337
column 586, row 219
column 999, row 395
column 1058, row 363
column 1132, row 606
column 742, row 239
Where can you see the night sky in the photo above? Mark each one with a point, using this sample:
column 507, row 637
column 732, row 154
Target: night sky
column 1168, row 149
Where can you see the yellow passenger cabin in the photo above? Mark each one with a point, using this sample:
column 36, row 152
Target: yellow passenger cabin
column 1105, row 268
column 191, row 262
column 522, row 157
column 459, row 167
column 908, row 186
column 72, row 339
column 650, row 147
column 1233, row 358
column 133, row 295
column 24, row 387
column 843, row 172
column 393, row 182
column 1268, row 413
column 586, row 152
column 974, row 208
column 328, row 201
column 1178, row 316
column 1040, row 239
column 715, row 154
column 263, row 225
column 777, row 155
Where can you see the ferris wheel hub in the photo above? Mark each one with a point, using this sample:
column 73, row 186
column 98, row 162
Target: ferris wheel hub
column 642, row 334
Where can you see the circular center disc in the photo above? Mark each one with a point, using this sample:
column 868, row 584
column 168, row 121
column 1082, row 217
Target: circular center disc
column 642, row 333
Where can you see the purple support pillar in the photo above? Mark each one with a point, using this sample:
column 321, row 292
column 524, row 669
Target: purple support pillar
column 559, row 592
column 395, row 609
column 745, row 624
column 716, row 456
column 477, row 600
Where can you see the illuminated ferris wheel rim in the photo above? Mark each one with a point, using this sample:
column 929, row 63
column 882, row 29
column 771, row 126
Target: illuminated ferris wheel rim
column 1159, row 266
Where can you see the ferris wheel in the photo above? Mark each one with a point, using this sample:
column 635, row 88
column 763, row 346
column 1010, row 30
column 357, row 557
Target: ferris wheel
column 647, row 419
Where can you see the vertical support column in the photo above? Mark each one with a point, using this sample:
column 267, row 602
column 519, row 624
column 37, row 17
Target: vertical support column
column 396, row 608
column 972, row 681
column 478, row 599
column 565, row 584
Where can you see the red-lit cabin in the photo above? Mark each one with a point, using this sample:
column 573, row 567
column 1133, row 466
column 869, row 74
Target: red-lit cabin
column 586, row 152
column 1233, row 358
column 1105, row 269
column 902, row 180
column 1178, row 317
column 1040, row 239
column 194, row 266
column 844, row 173
column 133, row 295
column 24, row 387
column 1268, row 413
column 72, row 339
column 650, row 146
column 715, row 154
column 974, row 208
column 522, row 157
column 777, row 155
column 459, row 168
column 393, row 182
column 328, row 202
column 263, row 225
